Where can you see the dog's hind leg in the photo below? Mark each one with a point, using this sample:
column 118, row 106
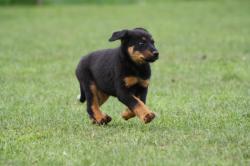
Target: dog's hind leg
column 93, row 96
column 95, row 99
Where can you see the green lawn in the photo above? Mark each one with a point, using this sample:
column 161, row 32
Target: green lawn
column 200, row 87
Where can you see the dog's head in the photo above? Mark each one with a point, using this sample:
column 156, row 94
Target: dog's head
column 138, row 43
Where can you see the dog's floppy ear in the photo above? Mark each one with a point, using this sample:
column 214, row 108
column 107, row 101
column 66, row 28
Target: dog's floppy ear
column 118, row 35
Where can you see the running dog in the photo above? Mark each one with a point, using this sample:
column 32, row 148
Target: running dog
column 122, row 72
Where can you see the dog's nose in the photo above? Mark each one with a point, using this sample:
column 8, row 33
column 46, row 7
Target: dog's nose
column 156, row 53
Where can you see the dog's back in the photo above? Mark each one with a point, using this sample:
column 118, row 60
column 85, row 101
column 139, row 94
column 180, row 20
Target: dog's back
column 101, row 64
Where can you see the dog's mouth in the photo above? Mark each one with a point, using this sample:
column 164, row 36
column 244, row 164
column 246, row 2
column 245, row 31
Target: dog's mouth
column 152, row 59
column 151, row 56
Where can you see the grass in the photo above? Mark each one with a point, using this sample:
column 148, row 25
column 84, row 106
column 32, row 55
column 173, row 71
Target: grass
column 199, row 89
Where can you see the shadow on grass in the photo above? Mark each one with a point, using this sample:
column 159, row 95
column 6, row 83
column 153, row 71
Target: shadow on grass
column 136, row 125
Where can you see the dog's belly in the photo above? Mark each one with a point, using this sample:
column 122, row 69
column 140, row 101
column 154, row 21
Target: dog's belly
column 106, row 87
column 105, row 82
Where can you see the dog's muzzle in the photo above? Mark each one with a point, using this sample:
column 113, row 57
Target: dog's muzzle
column 154, row 57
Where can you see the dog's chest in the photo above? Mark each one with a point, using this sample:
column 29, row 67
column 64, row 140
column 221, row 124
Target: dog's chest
column 136, row 76
column 130, row 81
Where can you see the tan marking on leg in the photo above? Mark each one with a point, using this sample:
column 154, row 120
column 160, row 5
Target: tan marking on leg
column 102, row 97
column 130, row 81
column 136, row 56
column 98, row 97
column 98, row 115
column 142, row 111
column 127, row 114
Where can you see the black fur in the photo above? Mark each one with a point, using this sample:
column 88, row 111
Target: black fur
column 108, row 68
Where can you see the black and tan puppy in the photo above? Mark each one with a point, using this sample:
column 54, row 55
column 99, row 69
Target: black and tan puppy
column 122, row 72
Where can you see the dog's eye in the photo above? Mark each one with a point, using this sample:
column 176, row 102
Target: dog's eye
column 142, row 44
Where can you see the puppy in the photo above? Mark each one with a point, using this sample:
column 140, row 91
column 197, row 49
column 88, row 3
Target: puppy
column 122, row 72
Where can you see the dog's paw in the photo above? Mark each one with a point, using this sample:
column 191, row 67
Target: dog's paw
column 148, row 117
column 107, row 119
column 102, row 121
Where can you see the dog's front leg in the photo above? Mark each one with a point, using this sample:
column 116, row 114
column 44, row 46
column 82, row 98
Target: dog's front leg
column 141, row 93
column 135, row 104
